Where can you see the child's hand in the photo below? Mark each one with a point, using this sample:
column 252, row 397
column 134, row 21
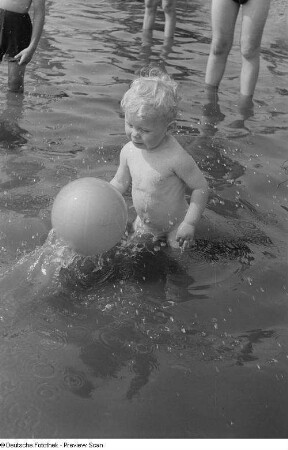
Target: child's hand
column 24, row 57
column 185, row 235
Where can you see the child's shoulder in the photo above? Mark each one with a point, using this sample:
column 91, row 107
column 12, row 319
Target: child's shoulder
column 177, row 149
column 179, row 157
column 127, row 148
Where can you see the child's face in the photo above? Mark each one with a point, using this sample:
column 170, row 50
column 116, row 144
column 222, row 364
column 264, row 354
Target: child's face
column 147, row 132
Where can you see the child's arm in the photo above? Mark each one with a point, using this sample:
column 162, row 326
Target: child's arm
column 122, row 178
column 190, row 173
column 25, row 56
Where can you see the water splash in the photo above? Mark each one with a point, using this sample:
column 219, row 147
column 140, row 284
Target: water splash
column 37, row 274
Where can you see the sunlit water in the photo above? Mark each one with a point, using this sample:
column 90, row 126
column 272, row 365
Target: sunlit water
column 145, row 341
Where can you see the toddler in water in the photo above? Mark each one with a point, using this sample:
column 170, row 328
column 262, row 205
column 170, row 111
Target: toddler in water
column 156, row 164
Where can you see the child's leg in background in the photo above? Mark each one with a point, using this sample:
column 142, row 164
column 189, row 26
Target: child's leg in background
column 150, row 14
column 169, row 8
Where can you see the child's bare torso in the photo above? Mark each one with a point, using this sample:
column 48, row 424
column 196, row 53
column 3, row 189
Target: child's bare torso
column 158, row 193
column 20, row 6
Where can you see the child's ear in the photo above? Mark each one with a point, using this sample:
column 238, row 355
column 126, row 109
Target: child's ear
column 171, row 127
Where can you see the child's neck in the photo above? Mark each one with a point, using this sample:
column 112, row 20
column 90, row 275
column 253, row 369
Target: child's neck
column 161, row 146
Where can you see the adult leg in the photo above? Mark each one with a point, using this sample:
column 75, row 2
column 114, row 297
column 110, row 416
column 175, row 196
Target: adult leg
column 223, row 17
column 211, row 112
column 16, row 76
column 150, row 14
column 255, row 13
column 169, row 8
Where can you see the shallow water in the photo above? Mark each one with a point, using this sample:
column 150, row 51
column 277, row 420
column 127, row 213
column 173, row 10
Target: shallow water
column 146, row 343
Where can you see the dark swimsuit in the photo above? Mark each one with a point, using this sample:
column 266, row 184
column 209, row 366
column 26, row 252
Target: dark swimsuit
column 15, row 33
column 241, row 2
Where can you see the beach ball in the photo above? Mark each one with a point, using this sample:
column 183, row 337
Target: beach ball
column 90, row 215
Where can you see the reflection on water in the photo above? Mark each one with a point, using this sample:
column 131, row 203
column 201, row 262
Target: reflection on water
column 110, row 346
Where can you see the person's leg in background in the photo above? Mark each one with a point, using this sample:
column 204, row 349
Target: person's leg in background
column 16, row 74
column 223, row 18
column 150, row 14
column 169, row 8
column 254, row 17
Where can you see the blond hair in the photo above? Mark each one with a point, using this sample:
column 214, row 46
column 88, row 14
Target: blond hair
column 152, row 94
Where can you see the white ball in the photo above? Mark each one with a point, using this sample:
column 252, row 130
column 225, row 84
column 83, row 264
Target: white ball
column 90, row 215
